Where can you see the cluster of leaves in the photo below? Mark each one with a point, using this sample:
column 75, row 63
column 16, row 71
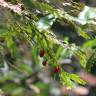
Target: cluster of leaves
column 33, row 27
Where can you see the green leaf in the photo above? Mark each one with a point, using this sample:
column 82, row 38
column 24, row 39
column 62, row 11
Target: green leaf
column 69, row 79
column 81, row 56
column 89, row 43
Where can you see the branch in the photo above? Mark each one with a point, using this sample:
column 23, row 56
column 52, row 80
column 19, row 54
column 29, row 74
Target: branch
column 15, row 8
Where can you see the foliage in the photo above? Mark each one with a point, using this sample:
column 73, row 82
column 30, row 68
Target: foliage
column 31, row 28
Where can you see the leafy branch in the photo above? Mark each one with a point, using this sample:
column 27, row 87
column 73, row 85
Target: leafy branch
column 37, row 31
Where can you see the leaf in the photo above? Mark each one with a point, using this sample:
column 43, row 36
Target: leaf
column 87, row 13
column 89, row 43
column 81, row 56
column 58, row 53
column 65, row 80
column 45, row 22
column 69, row 79
column 77, row 79
column 91, row 61
column 12, row 88
column 82, row 33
